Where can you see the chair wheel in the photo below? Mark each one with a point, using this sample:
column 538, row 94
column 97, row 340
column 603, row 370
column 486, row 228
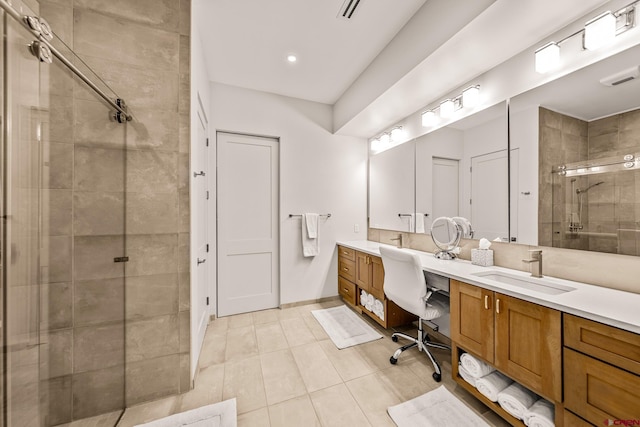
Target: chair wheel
column 393, row 360
column 394, row 338
column 437, row 377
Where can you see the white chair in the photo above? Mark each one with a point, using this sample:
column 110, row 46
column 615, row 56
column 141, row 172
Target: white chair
column 405, row 285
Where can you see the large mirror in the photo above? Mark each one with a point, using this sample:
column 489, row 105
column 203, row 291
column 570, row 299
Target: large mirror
column 574, row 186
column 392, row 188
column 458, row 170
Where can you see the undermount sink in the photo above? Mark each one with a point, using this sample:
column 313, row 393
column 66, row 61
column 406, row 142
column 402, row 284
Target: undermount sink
column 536, row 284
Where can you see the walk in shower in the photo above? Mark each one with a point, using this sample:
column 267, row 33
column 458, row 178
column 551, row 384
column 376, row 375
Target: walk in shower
column 596, row 205
column 63, row 230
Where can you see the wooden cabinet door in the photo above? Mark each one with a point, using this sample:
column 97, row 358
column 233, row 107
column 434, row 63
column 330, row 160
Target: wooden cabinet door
column 362, row 271
column 598, row 391
column 376, row 277
column 472, row 319
column 528, row 345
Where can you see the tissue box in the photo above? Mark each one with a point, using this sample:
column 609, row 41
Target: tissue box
column 483, row 257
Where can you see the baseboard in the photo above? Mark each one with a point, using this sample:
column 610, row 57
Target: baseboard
column 311, row 301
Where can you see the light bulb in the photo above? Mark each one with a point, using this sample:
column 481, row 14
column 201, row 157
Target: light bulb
column 446, row 108
column 547, row 57
column 428, row 118
column 384, row 138
column 396, row 134
column 471, row 96
column 599, row 31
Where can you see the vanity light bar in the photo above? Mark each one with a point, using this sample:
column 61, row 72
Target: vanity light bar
column 596, row 33
column 385, row 140
column 470, row 97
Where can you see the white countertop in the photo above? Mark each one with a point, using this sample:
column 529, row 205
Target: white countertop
column 609, row 306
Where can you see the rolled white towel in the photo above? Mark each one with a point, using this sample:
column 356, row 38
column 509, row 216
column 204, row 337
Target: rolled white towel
column 363, row 297
column 475, row 367
column 541, row 414
column 378, row 308
column 369, row 304
column 492, row 385
column 516, row 399
column 466, row 375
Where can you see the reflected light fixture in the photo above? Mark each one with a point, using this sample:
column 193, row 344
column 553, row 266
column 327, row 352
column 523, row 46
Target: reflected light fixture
column 292, row 58
column 447, row 108
column 471, row 96
column 599, row 31
column 547, row 57
column 396, row 133
column 428, row 118
column 384, row 138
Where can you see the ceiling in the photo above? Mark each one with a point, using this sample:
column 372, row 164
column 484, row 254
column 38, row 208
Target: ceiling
column 246, row 42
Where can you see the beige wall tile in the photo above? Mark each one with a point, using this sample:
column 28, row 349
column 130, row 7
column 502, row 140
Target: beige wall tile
column 184, row 319
column 60, row 211
column 98, row 347
column 99, row 169
column 155, row 129
column 98, row 213
column 94, row 257
column 152, row 213
column 98, row 392
column 183, row 172
column 149, row 296
column 184, row 289
column 162, row 14
column 59, row 266
column 92, row 124
column 243, row 380
column 59, row 128
column 184, row 134
column 100, row 35
column 151, row 171
column 59, row 15
column 152, row 254
column 185, row 372
column 59, row 393
column 98, row 301
column 607, row 125
column 184, row 221
column 184, row 263
column 152, row 338
column 60, row 165
column 56, row 306
column 55, row 354
column 185, row 17
column 152, row 379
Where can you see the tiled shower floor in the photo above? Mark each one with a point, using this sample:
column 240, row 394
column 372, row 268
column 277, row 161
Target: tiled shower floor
column 284, row 371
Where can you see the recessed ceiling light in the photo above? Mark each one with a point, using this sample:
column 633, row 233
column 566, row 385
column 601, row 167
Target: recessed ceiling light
column 292, row 58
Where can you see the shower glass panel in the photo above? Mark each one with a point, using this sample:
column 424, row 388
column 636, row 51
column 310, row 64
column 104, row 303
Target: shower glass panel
column 595, row 206
column 64, row 163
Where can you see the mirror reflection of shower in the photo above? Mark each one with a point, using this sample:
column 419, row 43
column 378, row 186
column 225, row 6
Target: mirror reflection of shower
column 575, row 218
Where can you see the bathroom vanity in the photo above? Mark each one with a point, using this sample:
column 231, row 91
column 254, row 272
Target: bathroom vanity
column 576, row 345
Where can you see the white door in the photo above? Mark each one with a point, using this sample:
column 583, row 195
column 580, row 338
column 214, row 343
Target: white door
column 201, row 262
column 248, row 251
column 445, row 188
column 490, row 196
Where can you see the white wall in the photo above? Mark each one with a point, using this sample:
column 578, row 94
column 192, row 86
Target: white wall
column 319, row 172
column 524, row 137
column 199, row 100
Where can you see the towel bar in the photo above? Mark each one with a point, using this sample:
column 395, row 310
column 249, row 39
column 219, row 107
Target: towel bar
column 325, row 215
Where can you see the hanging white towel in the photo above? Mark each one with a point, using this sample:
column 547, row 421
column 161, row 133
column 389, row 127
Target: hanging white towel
column 474, row 366
column 312, row 225
column 310, row 245
column 420, row 223
column 492, row 385
column 541, row 414
column 516, row 400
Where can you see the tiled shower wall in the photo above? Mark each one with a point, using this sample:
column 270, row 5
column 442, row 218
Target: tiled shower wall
column 119, row 336
column 611, row 210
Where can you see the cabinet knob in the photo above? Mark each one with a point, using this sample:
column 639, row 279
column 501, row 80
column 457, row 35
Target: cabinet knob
column 498, row 306
column 486, row 302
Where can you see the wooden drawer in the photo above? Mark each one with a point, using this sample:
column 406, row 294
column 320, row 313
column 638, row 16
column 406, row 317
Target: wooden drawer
column 571, row 420
column 597, row 391
column 347, row 253
column 347, row 269
column 616, row 346
column 347, row 290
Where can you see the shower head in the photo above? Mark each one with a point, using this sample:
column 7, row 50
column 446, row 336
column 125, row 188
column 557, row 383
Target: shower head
column 578, row 191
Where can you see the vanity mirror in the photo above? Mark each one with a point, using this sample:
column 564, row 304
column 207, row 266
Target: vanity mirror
column 577, row 146
column 456, row 171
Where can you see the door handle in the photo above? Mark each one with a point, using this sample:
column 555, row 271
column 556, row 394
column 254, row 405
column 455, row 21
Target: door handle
column 486, row 302
column 201, row 261
column 498, row 306
column 197, row 174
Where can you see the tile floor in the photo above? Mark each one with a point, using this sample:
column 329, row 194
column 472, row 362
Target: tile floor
column 284, row 370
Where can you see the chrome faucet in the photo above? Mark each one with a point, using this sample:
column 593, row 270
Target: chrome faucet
column 536, row 257
column 399, row 239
